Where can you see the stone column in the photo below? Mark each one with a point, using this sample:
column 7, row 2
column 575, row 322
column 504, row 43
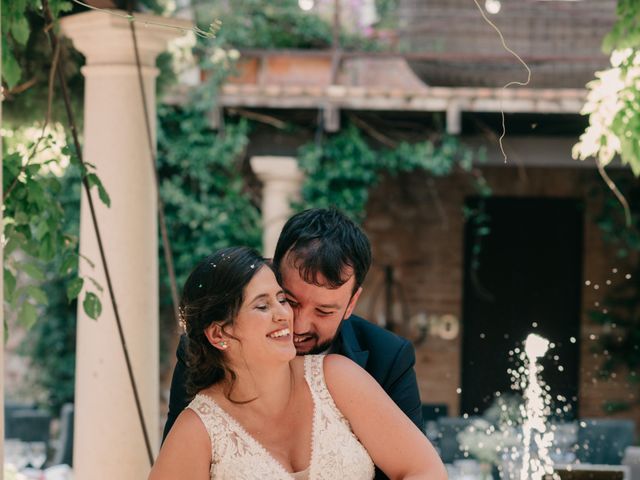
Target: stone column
column 281, row 179
column 108, row 439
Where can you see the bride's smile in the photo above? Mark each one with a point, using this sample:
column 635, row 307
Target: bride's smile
column 261, row 333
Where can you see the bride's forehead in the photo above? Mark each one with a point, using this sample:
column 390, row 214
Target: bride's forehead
column 263, row 278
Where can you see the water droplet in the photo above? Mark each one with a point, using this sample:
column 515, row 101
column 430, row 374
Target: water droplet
column 572, row 339
column 253, row 266
column 560, row 368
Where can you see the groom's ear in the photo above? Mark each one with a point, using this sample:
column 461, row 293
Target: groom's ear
column 352, row 303
column 216, row 336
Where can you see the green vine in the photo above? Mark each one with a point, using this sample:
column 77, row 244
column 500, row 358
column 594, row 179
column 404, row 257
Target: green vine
column 341, row 170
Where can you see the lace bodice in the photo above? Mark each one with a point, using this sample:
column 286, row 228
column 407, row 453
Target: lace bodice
column 335, row 450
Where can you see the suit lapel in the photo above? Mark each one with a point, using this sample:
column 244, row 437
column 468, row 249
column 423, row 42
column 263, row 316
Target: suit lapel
column 349, row 345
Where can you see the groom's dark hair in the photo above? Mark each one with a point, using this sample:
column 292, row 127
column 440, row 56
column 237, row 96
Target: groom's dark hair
column 324, row 241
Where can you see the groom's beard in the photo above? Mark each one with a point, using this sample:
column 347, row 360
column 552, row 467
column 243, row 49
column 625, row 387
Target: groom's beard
column 319, row 347
column 324, row 346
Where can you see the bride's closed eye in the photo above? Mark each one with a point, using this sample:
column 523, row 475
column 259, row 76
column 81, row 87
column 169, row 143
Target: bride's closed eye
column 265, row 306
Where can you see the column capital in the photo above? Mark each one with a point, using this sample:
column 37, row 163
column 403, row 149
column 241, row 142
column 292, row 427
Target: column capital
column 104, row 38
column 275, row 168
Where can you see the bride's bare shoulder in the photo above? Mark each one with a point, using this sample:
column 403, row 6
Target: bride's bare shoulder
column 188, row 425
column 186, row 452
column 342, row 373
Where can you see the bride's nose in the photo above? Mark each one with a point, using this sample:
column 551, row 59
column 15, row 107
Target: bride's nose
column 283, row 313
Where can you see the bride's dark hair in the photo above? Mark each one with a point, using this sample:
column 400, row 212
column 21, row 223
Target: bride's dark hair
column 213, row 293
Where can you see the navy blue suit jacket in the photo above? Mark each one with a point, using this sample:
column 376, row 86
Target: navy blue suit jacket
column 388, row 358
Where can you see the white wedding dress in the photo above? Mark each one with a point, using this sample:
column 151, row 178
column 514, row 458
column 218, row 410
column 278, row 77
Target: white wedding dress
column 335, row 451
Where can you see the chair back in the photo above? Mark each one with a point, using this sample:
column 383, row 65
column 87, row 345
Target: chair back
column 604, row 440
column 448, row 430
column 64, row 452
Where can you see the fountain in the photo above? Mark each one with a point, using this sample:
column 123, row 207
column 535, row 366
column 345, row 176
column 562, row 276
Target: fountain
column 535, row 410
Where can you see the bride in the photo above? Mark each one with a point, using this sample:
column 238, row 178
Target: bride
column 260, row 412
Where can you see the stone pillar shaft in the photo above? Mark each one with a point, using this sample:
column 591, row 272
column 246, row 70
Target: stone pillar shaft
column 108, row 438
column 281, row 179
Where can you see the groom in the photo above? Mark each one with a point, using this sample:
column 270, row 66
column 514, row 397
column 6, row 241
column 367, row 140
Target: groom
column 322, row 259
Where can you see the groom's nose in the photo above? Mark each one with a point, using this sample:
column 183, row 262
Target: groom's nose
column 301, row 323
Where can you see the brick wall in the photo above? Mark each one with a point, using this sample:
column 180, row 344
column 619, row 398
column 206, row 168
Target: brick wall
column 415, row 223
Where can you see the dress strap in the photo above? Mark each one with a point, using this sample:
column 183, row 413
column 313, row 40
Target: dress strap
column 314, row 374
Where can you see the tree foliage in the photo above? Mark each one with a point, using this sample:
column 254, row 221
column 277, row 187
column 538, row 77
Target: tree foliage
column 613, row 102
column 50, row 345
column 282, row 24
column 35, row 229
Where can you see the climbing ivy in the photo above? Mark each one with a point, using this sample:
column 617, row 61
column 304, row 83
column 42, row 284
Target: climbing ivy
column 340, row 170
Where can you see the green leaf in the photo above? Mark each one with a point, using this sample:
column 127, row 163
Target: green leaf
column 33, row 169
column 74, row 288
column 38, row 295
column 46, row 251
column 28, row 315
column 32, row 270
column 69, row 264
column 92, row 305
column 93, row 180
column 20, row 30
column 11, row 71
column 9, row 285
column 58, row 6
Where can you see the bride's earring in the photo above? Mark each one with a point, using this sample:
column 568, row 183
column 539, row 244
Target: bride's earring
column 223, row 345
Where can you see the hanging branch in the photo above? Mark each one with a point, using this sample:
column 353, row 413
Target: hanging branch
column 166, row 246
column 616, row 191
column 53, row 40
